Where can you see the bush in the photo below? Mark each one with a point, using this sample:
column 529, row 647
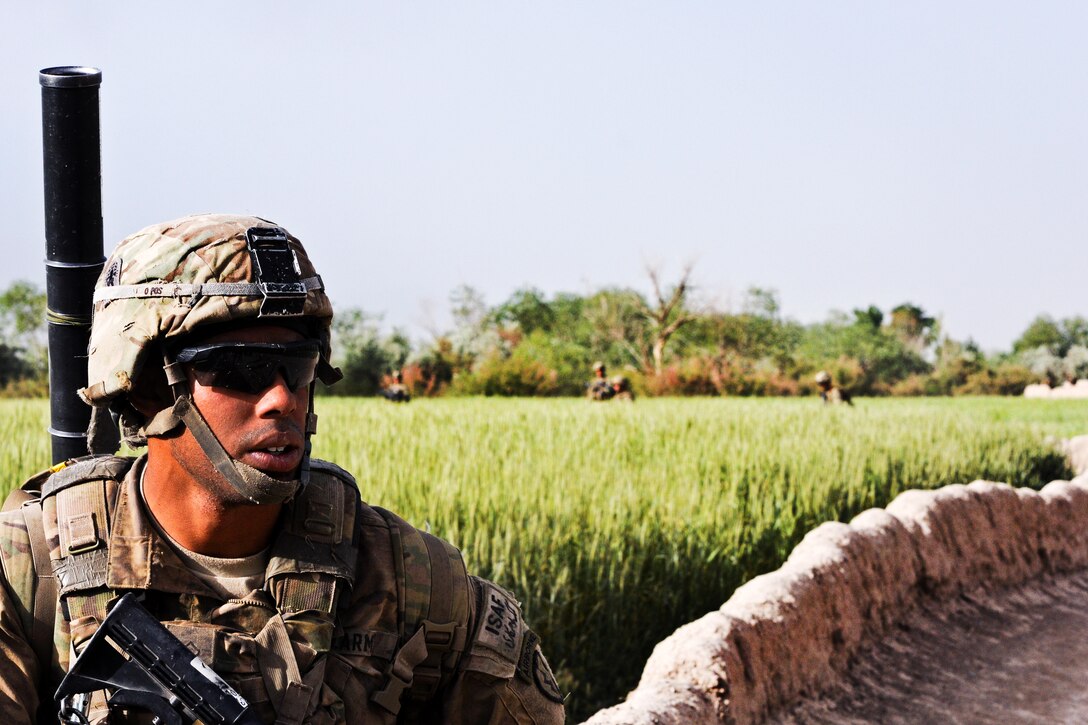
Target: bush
column 508, row 376
column 33, row 387
column 693, row 376
column 1007, row 379
column 431, row 374
column 913, row 386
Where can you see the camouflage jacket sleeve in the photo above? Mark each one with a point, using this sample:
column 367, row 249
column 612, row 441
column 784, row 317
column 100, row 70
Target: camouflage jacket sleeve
column 503, row 677
column 18, row 663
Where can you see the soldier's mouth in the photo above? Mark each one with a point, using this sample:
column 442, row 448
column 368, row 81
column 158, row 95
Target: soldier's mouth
column 274, row 459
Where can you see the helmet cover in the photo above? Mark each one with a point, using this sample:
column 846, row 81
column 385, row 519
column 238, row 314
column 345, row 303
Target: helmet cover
column 169, row 280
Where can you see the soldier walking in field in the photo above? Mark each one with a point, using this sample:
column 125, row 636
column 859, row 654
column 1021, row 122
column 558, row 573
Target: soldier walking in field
column 209, row 334
column 599, row 388
column 829, row 392
column 621, row 389
column 397, row 391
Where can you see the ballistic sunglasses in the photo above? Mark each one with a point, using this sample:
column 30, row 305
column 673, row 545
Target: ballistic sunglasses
column 252, row 367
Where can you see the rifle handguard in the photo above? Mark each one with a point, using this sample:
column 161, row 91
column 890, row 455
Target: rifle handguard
column 148, row 668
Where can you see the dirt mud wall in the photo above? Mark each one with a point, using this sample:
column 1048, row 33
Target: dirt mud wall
column 791, row 633
column 1063, row 391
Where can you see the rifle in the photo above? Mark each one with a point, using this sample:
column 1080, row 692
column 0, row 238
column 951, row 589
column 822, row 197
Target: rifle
column 71, row 156
column 149, row 669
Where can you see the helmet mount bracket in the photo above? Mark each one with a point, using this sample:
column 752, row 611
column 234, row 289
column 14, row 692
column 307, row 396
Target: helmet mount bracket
column 276, row 271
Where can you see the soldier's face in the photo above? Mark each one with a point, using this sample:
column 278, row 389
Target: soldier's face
column 263, row 429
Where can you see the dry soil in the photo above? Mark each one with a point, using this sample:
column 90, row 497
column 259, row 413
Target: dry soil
column 1018, row 656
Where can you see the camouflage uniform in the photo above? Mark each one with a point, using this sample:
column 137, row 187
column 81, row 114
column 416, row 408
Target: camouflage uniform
column 397, row 393
column 621, row 388
column 361, row 617
column 599, row 388
column 829, row 392
column 343, row 657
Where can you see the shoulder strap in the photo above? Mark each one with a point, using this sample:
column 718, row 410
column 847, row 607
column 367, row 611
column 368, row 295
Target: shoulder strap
column 39, row 592
column 315, row 553
column 45, row 586
column 68, row 530
column 433, row 602
column 35, row 589
column 24, row 555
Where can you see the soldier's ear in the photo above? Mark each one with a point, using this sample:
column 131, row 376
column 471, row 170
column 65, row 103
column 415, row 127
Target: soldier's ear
column 150, row 392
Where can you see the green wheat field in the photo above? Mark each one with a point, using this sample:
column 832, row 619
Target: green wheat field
column 616, row 523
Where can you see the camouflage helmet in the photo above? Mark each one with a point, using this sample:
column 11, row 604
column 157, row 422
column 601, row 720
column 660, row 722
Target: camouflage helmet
column 167, row 280
column 822, row 378
column 189, row 276
column 598, row 366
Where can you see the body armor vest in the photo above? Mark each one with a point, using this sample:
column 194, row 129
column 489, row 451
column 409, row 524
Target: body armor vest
column 283, row 647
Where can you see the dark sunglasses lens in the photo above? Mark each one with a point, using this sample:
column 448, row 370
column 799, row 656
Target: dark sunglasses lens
column 252, row 371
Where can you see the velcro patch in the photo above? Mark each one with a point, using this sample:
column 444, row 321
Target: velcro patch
column 500, row 626
column 525, row 662
column 544, row 678
column 534, row 669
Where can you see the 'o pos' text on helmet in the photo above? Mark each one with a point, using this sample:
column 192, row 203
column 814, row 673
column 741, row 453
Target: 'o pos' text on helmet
column 190, row 277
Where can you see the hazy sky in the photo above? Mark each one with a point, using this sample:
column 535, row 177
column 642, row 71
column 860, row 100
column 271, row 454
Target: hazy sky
column 843, row 153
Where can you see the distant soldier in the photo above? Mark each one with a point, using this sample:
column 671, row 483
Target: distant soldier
column 398, row 391
column 621, row 389
column 829, row 392
column 599, row 388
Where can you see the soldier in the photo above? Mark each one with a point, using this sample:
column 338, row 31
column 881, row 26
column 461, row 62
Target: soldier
column 599, row 388
column 398, row 391
column 621, row 389
column 829, row 392
column 209, row 333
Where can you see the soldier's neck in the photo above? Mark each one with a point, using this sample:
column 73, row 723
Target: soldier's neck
column 197, row 509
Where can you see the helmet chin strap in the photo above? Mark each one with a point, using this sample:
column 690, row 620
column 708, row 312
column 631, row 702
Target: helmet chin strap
column 258, row 487
column 254, row 485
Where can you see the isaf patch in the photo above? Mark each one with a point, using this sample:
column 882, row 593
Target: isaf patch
column 500, row 627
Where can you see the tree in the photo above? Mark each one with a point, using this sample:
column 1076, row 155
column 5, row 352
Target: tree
column 1054, row 350
column 474, row 331
column 12, row 366
column 761, row 302
column 882, row 358
column 869, row 319
column 1075, row 332
column 913, row 327
column 1042, row 332
column 1042, row 361
column 22, row 309
column 362, row 354
column 22, row 319
column 756, row 333
column 528, row 309
column 618, row 329
column 1075, row 363
column 667, row 315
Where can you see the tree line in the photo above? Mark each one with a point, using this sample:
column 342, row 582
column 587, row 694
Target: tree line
column 533, row 344
column 541, row 345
